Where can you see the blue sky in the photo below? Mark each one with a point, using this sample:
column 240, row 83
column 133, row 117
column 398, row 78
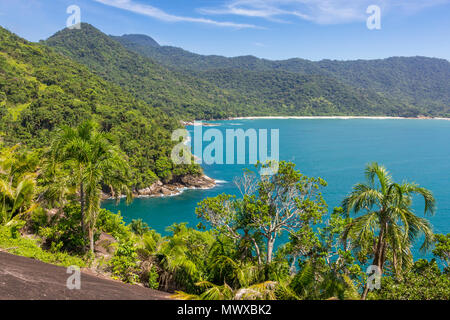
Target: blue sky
column 273, row 29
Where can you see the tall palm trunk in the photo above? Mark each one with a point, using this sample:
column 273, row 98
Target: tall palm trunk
column 91, row 240
column 82, row 204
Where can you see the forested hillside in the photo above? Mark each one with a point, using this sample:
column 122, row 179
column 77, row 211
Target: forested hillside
column 419, row 83
column 68, row 135
column 286, row 93
column 41, row 90
column 220, row 93
column 176, row 93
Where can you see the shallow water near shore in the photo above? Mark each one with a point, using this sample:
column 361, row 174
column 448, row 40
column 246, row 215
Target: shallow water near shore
column 336, row 150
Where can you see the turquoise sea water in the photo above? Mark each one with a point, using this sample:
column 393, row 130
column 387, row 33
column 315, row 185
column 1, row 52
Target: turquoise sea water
column 336, row 150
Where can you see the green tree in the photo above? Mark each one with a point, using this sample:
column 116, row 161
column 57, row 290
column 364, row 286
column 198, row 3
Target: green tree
column 182, row 256
column 424, row 281
column 260, row 291
column 56, row 185
column 326, row 269
column 286, row 201
column 389, row 226
column 442, row 250
column 93, row 162
column 139, row 227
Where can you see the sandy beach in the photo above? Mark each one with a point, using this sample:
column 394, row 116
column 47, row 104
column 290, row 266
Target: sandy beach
column 206, row 123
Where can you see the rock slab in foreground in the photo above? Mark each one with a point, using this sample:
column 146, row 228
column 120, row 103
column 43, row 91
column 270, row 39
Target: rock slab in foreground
column 27, row 279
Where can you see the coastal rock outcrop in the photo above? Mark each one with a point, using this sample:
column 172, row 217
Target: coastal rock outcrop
column 154, row 188
column 199, row 182
column 159, row 189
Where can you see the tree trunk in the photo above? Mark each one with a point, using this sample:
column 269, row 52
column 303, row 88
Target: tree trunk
column 82, row 206
column 258, row 251
column 91, row 240
column 270, row 244
column 378, row 258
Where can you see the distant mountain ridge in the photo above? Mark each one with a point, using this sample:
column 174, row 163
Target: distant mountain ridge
column 419, row 81
column 176, row 93
column 191, row 86
column 138, row 40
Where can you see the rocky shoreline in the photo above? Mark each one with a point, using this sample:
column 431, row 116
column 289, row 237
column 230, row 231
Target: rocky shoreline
column 159, row 189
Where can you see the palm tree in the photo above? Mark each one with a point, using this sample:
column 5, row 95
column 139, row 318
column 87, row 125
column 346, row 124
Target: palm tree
column 174, row 258
column 139, row 227
column 16, row 200
column 94, row 162
column 389, row 222
column 237, row 273
column 56, row 185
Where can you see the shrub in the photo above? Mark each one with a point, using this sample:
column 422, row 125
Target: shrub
column 139, row 227
column 113, row 224
column 153, row 278
column 29, row 248
column 424, row 281
column 65, row 232
column 38, row 219
column 124, row 263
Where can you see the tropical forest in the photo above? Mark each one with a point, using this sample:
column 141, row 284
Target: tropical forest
column 86, row 118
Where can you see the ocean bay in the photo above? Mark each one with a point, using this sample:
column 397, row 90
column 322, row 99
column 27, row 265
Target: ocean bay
column 336, row 150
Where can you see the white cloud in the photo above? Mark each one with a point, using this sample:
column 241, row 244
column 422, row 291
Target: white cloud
column 259, row 44
column 159, row 14
column 318, row 11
